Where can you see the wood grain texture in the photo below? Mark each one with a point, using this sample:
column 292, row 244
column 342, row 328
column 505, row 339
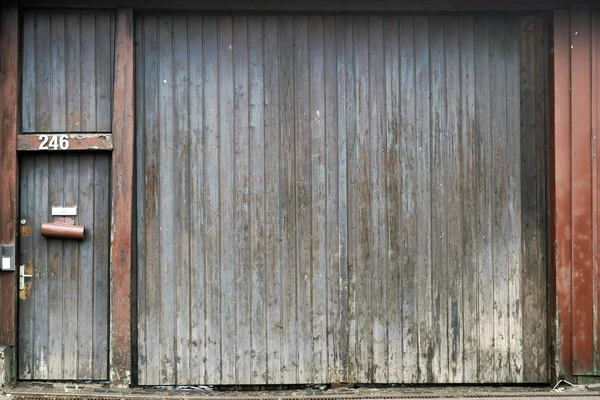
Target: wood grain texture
column 350, row 190
column 574, row 190
column 561, row 189
column 64, row 307
column 581, row 195
column 122, row 202
column 77, row 141
column 313, row 5
column 72, row 53
column 9, row 128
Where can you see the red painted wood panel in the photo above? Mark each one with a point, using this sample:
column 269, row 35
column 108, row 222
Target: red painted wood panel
column 574, row 192
column 561, row 186
column 581, row 177
column 122, row 203
column 9, row 76
column 595, row 127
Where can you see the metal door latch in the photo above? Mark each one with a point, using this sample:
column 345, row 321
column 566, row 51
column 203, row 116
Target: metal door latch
column 22, row 276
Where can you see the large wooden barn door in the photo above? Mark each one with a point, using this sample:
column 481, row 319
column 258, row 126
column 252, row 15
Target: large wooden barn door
column 341, row 198
column 64, row 280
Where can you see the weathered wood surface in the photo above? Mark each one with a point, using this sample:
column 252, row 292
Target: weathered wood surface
column 121, row 224
column 311, row 5
column 9, row 128
column 77, row 141
column 351, row 199
column 63, row 310
column 560, row 200
column 574, row 189
column 67, row 71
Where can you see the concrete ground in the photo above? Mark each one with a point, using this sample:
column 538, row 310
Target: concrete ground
column 38, row 391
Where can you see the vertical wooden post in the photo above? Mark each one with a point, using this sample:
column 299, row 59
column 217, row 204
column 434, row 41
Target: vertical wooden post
column 9, row 127
column 122, row 202
column 560, row 198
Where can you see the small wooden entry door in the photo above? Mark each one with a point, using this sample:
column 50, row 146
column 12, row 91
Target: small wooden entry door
column 65, row 161
column 63, row 307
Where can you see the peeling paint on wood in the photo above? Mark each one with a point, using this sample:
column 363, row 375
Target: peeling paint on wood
column 575, row 190
column 76, row 141
column 122, row 202
column 9, row 128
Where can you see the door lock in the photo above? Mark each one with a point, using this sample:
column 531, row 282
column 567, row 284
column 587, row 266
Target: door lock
column 22, row 276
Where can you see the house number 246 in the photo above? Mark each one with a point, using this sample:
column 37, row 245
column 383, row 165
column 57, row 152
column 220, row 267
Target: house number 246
column 54, row 142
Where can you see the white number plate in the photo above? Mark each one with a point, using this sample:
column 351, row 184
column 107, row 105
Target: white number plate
column 54, row 142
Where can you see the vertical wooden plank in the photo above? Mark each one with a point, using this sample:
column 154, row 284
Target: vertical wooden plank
column 542, row 176
column 54, row 306
column 469, row 203
column 318, row 192
column 88, row 74
column 408, row 368
column 9, row 117
column 181, row 150
column 303, row 202
column 101, row 224
column 332, row 234
column 423, row 200
column 513, row 198
column 335, row 244
column 342, row 160
column 395, row 180
column 581, row 175
column 105, row 53
column 73, row 72
column 58, row 95
column 361, row 209
column 561, row 187
column 149, row 205
column 227, row 200
column 43, row 66
column 196, row 200
column 122, row 200
column 439, row 199
column 350, row 105
column 27, row 209
column 377, row 171
column 256, row 98
column 211, row 189
column 168, row 236
column 500, row 218
column 287, row 198
column 483, row 176
column 71, row 269
column 140, row 225
column 595, row 126
column 273, row 168
column 86, row 276
column 28, row 90
column 242, row 230
column 454, row 226
column 527, row 160
column 41, row 273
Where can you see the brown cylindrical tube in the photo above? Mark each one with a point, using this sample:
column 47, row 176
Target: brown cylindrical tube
column 50, row 229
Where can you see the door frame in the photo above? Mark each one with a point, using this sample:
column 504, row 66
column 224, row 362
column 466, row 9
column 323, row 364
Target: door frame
column 121, row 187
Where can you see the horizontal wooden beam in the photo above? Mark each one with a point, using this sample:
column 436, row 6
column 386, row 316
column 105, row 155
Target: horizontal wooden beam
column 64, row 141
column 310, row 5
